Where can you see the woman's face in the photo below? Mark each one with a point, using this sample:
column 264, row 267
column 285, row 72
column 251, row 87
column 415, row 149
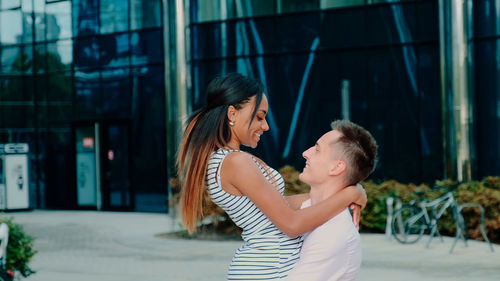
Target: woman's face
column 246, row 131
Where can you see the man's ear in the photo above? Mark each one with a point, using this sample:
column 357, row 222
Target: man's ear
column 337, row 168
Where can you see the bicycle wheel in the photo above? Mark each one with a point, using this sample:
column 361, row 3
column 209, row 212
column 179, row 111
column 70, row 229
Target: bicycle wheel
column 408, row 225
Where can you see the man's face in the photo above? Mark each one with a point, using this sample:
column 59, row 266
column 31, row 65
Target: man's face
column 320, row 159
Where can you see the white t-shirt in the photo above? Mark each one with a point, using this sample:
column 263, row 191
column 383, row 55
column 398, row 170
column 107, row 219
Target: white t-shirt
column 331, row 252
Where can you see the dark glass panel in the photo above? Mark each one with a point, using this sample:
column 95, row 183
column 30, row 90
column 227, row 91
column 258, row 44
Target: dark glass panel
column 58, row 16
column 86, row 53
column 486, row 18
column 113, row 16
column 17, row 116
column 145, row 13
column 115, row 93
column 342, row 28
column 430, row 113
column 60, row 87
column 87, row 98
column 394, row 113
column 41, row 58
column 85, row 17
column 148, row 138
column 14, row 89
column 427, row 21
column 208, row 39
column 115, row 50
column 59, row 55
column 390, row 24
column 13, row 19
column 59, row 169
column 487, row 91
column 147, row 47
column 299, row 5
column 296, row 32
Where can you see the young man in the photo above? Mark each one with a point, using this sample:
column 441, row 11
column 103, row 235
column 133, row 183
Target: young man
column 342, row 157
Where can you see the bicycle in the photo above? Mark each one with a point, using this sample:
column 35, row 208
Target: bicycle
column 410, row 221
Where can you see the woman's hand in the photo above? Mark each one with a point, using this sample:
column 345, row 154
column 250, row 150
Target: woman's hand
column 362, row 198
column 356, row 214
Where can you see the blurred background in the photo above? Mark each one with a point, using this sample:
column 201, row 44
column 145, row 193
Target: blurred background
column 93, row 94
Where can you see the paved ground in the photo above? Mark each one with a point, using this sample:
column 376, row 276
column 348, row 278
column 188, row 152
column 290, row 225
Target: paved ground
column 108, row 246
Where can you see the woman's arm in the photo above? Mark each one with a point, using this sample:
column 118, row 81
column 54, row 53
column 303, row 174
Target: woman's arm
column 295, row 201
column 240, row 171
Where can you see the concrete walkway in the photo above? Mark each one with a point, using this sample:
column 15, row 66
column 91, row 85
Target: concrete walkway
column 109, row 246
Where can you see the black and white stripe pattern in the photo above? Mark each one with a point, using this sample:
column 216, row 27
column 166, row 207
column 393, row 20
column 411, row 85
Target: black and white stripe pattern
column 267, row 253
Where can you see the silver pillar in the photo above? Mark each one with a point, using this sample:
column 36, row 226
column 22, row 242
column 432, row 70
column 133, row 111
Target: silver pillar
column 455, row 20
column 176, row 81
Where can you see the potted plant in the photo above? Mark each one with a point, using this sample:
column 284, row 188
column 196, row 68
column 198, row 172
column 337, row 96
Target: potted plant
column 19, row 249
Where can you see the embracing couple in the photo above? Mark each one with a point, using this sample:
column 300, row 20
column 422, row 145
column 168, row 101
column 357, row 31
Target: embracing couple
column 301, row 237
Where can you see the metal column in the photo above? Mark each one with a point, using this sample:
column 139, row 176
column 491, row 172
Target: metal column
column 455, row 19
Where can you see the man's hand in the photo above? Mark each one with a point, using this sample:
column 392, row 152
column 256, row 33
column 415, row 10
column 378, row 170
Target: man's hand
column 362, row 198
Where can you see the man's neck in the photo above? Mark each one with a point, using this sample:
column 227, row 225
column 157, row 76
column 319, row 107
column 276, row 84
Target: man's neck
column 322, row 191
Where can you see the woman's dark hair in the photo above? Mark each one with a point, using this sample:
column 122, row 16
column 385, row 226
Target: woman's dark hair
column 208, row 130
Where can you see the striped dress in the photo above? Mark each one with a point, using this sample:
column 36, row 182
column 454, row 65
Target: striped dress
column 267, row 253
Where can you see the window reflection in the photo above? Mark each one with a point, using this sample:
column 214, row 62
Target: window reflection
column 85, row 17
column 113, row 16
column 59, row 55
column 58, row 16
column 9, row 4
column 147, row 47
column 115, row 89
column 145, row 13
column 115, row 50
column 12, row 34
column 10, row 57
column 87, row 94
column 86, row 52
column 40, row 24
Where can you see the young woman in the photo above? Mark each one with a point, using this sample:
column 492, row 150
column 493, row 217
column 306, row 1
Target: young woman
column 244, row 186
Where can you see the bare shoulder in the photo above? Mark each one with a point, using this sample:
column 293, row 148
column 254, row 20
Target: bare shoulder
column 239, row 159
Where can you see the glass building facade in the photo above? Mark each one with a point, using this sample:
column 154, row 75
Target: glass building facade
column 84, row 83
column 80, row 77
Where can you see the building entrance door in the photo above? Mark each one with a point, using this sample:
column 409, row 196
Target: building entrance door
column 103, row 166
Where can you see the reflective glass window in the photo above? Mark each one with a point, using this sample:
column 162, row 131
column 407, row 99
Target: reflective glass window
column 58, row 17
column 85, row 17
column 86, row 52
column 115, row 92
column 208, row 10
column 40, row 24
column 18, row 116
column 113, row 16
column 27, row 27
column 27, row 58
column 59, row 55
column 11, row 59
column 147, row 47
column 9, row 4
column 60, row 87
column 287, row 6
column 11, row 24
column 11, row 88
column 41, row 58
column 87, row 98
column 252, row 8
column 486, row 18
column 327, row 4
column 145, row 13
column 115, row 50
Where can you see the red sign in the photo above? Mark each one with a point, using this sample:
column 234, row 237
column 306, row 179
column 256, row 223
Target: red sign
column 88, row 142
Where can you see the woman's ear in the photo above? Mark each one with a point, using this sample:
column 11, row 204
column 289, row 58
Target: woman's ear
column 231, row 113
column 337, row 168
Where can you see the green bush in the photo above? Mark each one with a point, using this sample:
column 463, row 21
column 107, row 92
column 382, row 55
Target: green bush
column 19, row 249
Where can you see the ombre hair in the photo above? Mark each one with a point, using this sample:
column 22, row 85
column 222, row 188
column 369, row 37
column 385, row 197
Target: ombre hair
column 208, row 130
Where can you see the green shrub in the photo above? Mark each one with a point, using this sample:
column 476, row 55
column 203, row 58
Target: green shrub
column 19, row 249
